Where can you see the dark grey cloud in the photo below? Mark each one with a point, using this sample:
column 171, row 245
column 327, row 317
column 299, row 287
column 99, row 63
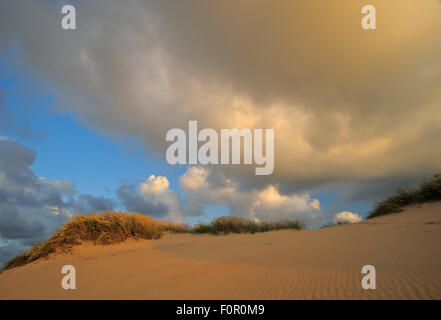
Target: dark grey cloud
column 15, row 227
column 15, row 160
column 89, row 202
column 10, row 249
column 373, row 190
column 32, row 208
column 134, row 202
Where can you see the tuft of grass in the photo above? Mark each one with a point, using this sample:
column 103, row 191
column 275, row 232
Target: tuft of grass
column 226, row 225
column 106, row 228
column 428, row 191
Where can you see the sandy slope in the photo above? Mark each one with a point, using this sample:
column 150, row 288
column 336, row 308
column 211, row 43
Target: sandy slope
column 317, row 264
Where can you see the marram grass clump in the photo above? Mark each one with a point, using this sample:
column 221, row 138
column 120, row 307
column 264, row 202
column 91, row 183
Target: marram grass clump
column 105, row 228
column 429, row 190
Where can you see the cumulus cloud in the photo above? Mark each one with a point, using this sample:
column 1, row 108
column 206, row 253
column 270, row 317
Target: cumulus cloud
column 346, row 105
column 32, row 207
column 347, row 217
column 134, row 202
column 151, row 197
column 157, row 190
column 203, row 188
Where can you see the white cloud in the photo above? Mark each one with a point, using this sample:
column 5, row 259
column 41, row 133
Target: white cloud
column 203, row 188
column 156, row 190
column 154, row 185
column 266, row 203
column 194, row 179
column 347, row 217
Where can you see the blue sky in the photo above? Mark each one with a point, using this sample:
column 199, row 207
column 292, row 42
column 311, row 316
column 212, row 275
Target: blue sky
column 69, row 150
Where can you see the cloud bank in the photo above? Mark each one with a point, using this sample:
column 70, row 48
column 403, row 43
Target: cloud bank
column 204, row 187
column 347, row 105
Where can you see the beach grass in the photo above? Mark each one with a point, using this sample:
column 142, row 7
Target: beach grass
column 428, row 191
column 226, row 225
column 105, row 228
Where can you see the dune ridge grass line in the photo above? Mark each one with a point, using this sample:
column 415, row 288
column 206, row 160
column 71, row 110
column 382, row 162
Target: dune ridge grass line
column 226, row 225
column 428, row 191
column 114, row 227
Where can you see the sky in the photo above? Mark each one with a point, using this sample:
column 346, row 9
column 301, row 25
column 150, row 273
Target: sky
column 84, row 113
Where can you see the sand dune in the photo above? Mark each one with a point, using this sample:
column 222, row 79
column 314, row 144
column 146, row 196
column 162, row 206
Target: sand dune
column 307, row 264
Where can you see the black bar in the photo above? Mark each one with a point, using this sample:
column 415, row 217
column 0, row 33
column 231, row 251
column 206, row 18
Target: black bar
column 221, row 309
